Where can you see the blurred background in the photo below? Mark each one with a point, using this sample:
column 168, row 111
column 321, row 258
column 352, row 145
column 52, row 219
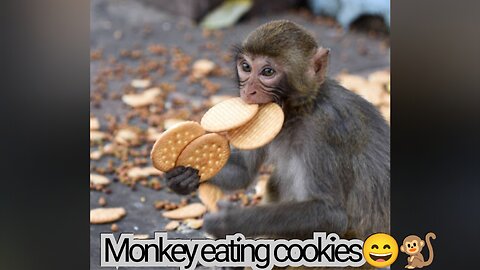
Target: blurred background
column 157, row 62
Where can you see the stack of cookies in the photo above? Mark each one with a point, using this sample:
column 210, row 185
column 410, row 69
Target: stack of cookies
column 245, row 126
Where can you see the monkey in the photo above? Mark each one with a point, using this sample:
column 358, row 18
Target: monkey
column 412, row 246
column 331, row 157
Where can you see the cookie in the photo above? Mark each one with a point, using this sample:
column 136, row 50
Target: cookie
column 194, row 223
column 106, row 215
column 209, row 195
column 190, row 211
column 228, row 114
column 259, row 131
column 208, row 154
column 98, row 179
column 172, row 225
column 170, row 144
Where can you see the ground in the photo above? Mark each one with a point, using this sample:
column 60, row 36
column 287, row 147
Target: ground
column 122, row 33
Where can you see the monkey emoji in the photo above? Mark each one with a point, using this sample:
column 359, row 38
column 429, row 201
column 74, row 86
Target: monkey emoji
column 412, row 246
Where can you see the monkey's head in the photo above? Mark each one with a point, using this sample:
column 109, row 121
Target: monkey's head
column 280, row 62
column 412, row 245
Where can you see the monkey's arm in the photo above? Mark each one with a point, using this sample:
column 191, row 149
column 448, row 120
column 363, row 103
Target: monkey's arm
column 237, row 174
column 239, row 171
column 285, row 220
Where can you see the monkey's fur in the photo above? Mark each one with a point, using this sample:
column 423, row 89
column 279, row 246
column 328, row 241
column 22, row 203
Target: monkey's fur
column 331, row 158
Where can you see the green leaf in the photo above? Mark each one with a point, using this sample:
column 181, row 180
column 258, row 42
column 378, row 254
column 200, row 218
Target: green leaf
column 226, row 14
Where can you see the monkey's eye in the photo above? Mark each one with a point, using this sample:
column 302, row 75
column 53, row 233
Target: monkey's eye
column 246, row 67
column 414, row 244
column 386, row 246
column 374, row 246
column 408, row 245
column 268, row 72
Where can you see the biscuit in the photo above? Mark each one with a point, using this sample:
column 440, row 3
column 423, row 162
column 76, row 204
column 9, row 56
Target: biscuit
column 194, row 223
column 172, row 225
column 209, row 195
column 259, row 131
column 229, row 114
column 106, row 215
column 170, row 144
column 208, row 154
column 98, row 179
column 190, row 211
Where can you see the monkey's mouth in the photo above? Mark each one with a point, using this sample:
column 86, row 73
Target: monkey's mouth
column 380, row 257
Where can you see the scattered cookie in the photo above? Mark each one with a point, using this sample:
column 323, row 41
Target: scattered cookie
column 138, row 83
column 259, row 131
column 145, row 98
column 194, row 223
column 106, row 215
column 261, row 186
column 210, row 194
column 94, row 123
column 126, row 136
column 380, row 76
column 140, row 236
column 96, row 155
column 190, row 211
column 98, row 179
column 228, row 114
column 97, row 136
column 208, row 154
column 138, row 172
column 202, row 68
column 172, row 225
column 168, row 147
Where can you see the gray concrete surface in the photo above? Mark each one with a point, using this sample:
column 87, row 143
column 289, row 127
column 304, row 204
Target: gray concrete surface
column 354, row 52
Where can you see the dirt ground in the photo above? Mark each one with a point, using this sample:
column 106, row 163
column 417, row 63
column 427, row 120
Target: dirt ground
column 132, row 41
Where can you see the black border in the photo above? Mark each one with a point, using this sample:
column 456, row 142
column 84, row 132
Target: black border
column 45, row 110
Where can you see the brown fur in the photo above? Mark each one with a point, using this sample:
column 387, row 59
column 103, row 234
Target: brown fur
column 294, row 49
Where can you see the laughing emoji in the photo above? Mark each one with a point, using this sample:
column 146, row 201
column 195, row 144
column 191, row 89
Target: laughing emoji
column 380, row 250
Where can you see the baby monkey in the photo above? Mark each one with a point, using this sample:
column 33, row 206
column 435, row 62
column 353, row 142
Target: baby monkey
column 331, row 158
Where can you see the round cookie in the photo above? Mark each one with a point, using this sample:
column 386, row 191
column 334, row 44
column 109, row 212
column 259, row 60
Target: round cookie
column 208, row 154
column 259, row 131
column 170, row 144
column 228, row 114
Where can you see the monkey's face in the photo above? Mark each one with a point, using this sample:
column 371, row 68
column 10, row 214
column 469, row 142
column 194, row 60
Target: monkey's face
column 412, row 247
column 259, row 79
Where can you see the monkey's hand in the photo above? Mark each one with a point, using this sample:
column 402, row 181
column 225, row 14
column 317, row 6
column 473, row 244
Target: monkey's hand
column 219, row 224
column 182, row 180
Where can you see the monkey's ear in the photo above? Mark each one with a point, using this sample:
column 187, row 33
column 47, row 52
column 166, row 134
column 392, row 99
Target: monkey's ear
column 402, row 248
column 422, row 243
column 320, row 62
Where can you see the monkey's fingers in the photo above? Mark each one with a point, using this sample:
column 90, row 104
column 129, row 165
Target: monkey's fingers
column 193, row 178
column 193, row 185
column 175, row 172
column 181, row 177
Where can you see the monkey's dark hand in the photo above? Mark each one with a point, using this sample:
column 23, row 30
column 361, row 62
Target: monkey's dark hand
column 182, row 180
column 220, row 224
